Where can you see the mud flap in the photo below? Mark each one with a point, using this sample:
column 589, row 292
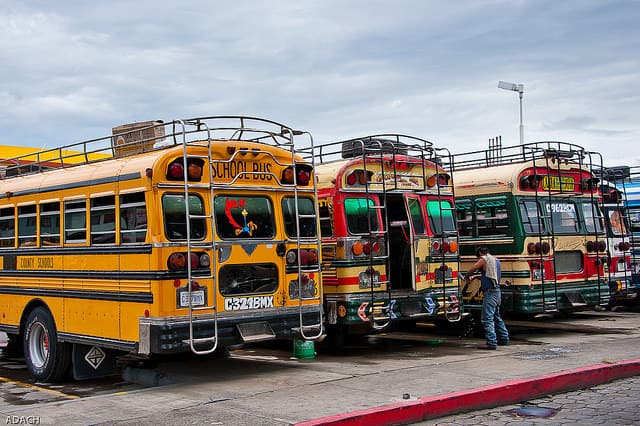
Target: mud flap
column 90, row 362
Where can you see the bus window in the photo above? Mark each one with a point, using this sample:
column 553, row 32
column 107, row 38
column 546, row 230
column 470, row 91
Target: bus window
column 103, row 220
column 464, row 214
column 357, row 210
column 27, row 225
column 563, row 217
column 248, row 279
column 175, row 220
column 75, row 222
column 305, row 208
column 244, row 217
column 492, row 218
column 441, row 217
column 50, row 224
column 325, row 212
column 7, row 227
column 416, row 216
column 617, row 222
column 530, row 213
column 133, row 218
column 592, row 224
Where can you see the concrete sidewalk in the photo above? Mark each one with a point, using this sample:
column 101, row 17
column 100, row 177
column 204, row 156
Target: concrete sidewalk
column 380, row 388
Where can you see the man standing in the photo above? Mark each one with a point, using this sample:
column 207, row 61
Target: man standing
column 494, row 328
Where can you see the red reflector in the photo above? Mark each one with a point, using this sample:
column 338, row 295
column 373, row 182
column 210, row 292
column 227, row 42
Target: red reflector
column 303, row 177
column 176, row 283
column 146, row 313
column 176, row 171
column 352, row 178
column 436, row 245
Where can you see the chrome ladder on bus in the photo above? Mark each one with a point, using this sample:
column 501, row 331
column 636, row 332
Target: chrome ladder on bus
column 381, row 314
column 453, row 311
column 299, row 241
column 209, row 244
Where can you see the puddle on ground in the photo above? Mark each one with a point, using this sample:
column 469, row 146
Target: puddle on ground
column 532, row 411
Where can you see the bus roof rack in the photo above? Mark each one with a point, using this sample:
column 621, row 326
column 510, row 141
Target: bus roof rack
column 136, row 138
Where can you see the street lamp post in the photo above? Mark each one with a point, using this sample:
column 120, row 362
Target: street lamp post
column 520, row 89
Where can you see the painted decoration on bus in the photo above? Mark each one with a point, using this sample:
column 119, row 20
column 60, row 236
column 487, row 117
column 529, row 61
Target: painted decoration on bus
column 558, row 183
column 242, row 170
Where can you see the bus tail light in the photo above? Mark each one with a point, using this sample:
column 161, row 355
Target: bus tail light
column 436, row 245
column 371, row 247
column 591, row 246
column 175, row 171
column 308, row 257
column 357, row 248
column 440, row 179
column 546, row 248
column 177, row 261
column 602, row 245
column 531, row 248
column 300, row 175
column 624, row 245
column 453, row 246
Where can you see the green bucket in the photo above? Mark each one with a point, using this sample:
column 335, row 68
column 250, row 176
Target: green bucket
column 304, row 349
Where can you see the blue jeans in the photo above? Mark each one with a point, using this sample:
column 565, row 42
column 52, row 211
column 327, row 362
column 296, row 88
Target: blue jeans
column 494, row 329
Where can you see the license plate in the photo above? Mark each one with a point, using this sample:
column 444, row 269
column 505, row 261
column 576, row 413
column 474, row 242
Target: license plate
column 197, row 298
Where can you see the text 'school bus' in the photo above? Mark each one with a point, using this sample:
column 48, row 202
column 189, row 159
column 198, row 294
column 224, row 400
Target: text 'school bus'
column 196, row 234
column 536, row 207
column 617, row 268
column 389, row 242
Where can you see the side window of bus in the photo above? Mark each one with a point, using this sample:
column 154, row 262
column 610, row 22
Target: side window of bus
column 244, row 217
column 7, row 227
column 27, row 225
column 133, row 218
column 441, row 217
column 50, row 224
column 531, row 217
column 563, row 217
column 417, row 218
column 492, row 218
column 464, row 214
column 175, row 217
column 305, row 213
column 325, row 210
column 103, row 220
column 359, row 212
column 75, row 222
column 592, row 217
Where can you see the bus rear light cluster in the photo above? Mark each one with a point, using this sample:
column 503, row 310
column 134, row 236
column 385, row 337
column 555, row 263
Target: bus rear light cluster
column 308, row 257
column 300, row 175
column 178, row 261
column 175, row 171
column 366, row 247
column 624, row 245
column 444, row 247
column 596, row 246
column 359, row 177
column 306, row 285
column 537, row 248
column 440, row 179
column 530, row 182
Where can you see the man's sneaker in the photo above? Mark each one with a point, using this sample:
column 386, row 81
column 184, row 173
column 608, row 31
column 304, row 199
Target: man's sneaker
column 487, row 347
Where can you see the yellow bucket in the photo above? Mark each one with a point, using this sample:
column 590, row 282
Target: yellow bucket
column 304, row 349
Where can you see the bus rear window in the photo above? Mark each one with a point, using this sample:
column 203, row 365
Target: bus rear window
column 306, row 213
column 244, row 217
column 531, row 217
column 360, row 213
column 592, row 217
column 563, row 217
column 175, row 217
column 441, row 217
column 248, row 279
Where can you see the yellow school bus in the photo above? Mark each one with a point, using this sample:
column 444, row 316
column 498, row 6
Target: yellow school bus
column 187, row 235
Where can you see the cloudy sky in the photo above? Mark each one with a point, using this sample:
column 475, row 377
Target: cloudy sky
column 70, row 70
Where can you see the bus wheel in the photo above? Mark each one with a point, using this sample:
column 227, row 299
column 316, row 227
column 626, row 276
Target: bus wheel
column 47, row 359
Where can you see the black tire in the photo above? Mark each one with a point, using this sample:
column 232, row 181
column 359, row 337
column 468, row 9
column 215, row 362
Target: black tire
column 47, row 359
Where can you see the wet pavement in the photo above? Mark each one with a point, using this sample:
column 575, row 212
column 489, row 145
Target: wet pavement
column 614, row 403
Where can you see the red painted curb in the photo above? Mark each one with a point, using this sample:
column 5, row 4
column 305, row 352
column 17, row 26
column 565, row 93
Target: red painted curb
column 483, row 397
